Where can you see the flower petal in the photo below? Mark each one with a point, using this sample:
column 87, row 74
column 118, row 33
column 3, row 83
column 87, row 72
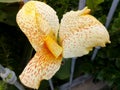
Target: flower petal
column 26, row 20
column 52, row 45
column 42, row 66
column 37, row 19
column 49, row 17
column 80, row 32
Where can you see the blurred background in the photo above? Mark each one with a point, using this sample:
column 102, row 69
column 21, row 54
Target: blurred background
column 16, row 51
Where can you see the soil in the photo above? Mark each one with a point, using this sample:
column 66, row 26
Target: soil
column 89, row 85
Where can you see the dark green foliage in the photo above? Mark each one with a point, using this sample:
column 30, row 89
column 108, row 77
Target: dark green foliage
column 64, row 72
column 8, row 13
column 62, row 6
column 3, row 85
column 94, row 4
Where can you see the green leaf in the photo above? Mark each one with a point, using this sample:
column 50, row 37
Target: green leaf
column 9, row 1
column 8, row 13
column 3, row 85
column 93, row 4
column 118, row 63
column 64, row 71
column 44, row 85
column 100, row 75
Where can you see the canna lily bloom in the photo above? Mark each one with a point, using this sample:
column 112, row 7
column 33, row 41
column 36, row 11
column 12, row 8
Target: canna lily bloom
column 78, row 33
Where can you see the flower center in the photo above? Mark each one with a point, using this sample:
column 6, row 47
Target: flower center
column 53, row 46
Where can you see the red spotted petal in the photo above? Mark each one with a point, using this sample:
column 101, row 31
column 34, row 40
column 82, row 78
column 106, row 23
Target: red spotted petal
column 42, row 66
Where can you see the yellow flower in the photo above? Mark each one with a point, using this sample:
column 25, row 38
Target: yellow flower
column 78, row 33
